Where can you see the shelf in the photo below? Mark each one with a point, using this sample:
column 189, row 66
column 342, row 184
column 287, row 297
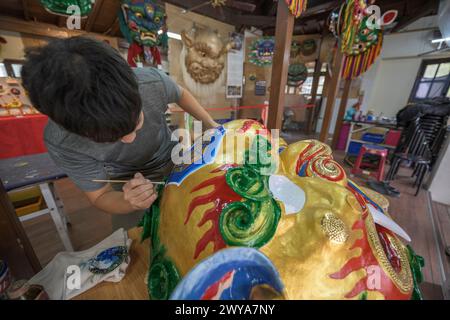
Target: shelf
column 378, row 144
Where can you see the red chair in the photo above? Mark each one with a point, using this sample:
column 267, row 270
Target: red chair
column 375, row 150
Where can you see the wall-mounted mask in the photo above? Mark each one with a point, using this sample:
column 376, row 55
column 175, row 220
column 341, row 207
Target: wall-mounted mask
column 297, row 74
column 141, row 20
column 308, row 47
column 261, row 51
column 62, row 7
column 205, row 55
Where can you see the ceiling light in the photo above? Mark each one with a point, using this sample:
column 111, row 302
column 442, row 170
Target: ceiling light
column 174, row 35
column 440, row 40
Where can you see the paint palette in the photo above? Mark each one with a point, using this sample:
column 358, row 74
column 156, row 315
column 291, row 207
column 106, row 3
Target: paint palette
column 108, row 260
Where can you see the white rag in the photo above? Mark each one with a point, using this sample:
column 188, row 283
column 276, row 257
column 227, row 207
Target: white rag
column 55, row 275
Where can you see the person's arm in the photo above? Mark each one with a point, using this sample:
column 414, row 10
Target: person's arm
column 137, row 194
column 189, row 104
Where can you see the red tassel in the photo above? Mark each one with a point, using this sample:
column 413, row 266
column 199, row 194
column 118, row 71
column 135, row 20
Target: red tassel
column 133, row 51
column 156, row 55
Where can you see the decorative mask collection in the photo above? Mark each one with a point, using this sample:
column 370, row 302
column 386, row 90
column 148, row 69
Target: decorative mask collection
column 306, row 48
column 142, row 23
column 61, row 7
column 360, row 43
column 297, row 74
column 261, row 51
column 205, row 55
column 319, row 235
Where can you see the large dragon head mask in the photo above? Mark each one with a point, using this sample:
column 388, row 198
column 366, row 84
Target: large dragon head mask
column 321, row 235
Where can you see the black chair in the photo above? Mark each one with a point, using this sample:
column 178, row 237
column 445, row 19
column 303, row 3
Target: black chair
column 420, row 145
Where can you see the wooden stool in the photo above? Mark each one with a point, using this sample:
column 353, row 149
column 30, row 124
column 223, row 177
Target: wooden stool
column 375, row 150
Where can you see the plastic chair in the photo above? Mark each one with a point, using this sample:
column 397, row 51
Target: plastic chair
column 374, row 150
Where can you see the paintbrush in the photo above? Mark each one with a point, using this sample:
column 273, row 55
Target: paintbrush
column 125, row 181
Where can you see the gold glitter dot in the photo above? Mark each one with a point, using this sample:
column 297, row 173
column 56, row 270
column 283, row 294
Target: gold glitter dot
column 334, row 228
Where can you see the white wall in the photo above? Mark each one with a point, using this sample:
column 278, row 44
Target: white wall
column 337, row 102
column 388, row 84
column 439, row 186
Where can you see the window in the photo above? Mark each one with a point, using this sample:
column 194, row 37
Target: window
column 11, row 68
column 432, row 81
column 306, row 87
column 3, row 72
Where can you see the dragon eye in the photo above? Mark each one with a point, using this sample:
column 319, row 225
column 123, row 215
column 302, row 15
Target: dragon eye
column 138, row 15
column 157, row 19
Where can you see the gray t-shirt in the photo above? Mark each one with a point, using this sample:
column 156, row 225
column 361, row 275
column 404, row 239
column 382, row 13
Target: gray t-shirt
column 84, row 160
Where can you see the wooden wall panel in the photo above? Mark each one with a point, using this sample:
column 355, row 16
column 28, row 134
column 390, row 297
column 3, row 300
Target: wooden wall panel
column 178, row 22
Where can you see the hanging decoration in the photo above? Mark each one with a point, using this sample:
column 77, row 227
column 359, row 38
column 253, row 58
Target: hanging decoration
column 142, row 23
column 297, row 6
column 297, row 74
column 360, row 41
column 62, row 7
column 261, row 51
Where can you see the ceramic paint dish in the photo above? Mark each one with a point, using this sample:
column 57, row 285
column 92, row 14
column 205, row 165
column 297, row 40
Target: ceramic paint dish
column 108, row 260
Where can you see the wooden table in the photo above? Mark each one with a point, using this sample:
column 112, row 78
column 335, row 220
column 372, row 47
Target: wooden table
column 132, row 286
column 40, row 170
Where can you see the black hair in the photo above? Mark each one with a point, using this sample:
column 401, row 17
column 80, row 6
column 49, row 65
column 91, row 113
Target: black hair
column 85, row 86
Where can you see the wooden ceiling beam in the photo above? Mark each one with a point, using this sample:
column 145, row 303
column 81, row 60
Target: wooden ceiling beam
column 229, row 16
column 226, row 16
column 254, row 21
column 92, row 17
column 315, row 7
column 40, row 29
column 415, row 10
column 26, row 12
column 62, row 21
column 114, row 29
column 269, row 8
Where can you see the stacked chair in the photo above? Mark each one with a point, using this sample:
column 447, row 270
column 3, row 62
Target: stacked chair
column 419, row 145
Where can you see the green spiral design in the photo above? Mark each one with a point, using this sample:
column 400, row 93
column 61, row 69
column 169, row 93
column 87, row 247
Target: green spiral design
column 248, row 183
column 253, row 221
column 249, row 223
column 163, row 277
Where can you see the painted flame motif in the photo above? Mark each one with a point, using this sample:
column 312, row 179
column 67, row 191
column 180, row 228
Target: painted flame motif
column 223, row 195
column 214, row 292
column 368, row 261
